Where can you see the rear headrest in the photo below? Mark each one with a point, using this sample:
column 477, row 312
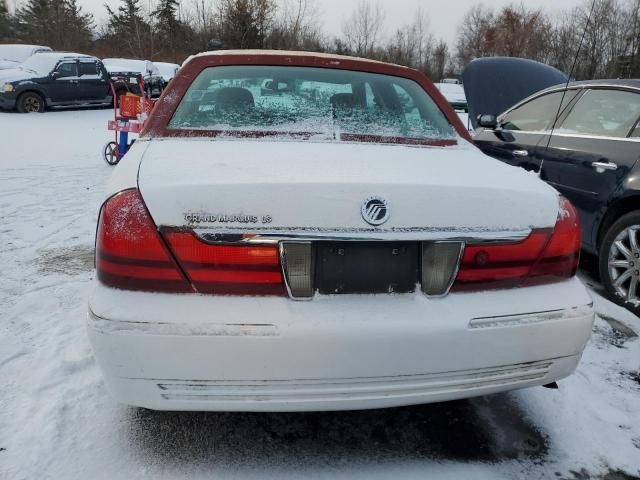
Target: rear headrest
column 345, row 100
column 233, row 97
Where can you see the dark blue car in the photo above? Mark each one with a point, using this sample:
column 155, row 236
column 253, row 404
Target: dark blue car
column 591, row 158
column 55, row 80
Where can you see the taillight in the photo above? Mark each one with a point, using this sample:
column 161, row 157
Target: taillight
column 228, row 270
column 129, row 251
column 545, row 256
column 562, row 255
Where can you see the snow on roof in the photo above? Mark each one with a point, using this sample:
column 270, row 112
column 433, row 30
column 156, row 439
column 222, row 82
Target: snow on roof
column 61, row 55
column 18, row 52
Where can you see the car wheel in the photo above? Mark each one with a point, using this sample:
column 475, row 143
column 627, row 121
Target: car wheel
column 31, row 102
column 620, row 261
column 110, row 153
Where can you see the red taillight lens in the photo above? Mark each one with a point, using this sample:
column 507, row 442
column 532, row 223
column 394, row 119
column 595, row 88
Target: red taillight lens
column 228, row 270
column 129, row 251
column 545, row 256
column 499, row 265
column 562, row 255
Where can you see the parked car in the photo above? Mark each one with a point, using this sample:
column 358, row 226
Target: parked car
column 54, row 80
column 345, row 250
column 592, row 157
column 167, row 70
column 454, row 94
column 13, row 55
column 153, row 80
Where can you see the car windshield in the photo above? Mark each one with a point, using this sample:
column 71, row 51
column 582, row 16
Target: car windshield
column 41, row 64
column 337, row 104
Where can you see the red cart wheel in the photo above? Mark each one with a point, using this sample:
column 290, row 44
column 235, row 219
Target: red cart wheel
column 110, row 152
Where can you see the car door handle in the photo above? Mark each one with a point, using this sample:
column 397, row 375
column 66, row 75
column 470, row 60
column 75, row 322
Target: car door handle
column 602, row 167
column 520, row 153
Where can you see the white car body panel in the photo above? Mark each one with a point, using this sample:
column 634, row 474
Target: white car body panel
column 321, row 185
column 193, row 352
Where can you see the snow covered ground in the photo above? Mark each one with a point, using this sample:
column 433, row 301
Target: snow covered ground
column 58, row 422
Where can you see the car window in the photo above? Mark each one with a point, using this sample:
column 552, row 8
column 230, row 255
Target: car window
column 608, row 113
column 636, row 131
column 316, row 101
column 407, row 105
column 538, row 114
column 67, row 69
column 88, row 69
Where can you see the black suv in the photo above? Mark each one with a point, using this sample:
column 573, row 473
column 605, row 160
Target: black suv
column 591, row 158
column 55, row 79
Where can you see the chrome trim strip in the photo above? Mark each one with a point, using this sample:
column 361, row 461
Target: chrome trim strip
column 543, row 133
column 532, row 318
column 122, row 327
column 241, row 236
column 592, row 137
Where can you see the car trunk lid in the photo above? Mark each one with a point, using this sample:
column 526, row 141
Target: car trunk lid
column 250, row 186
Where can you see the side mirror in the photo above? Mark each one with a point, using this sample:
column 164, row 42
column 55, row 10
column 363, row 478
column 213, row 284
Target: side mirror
column 488, row 121
column 55, row 75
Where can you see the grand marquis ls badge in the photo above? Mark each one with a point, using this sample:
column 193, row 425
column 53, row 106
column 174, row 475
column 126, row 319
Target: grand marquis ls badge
column 375, row 211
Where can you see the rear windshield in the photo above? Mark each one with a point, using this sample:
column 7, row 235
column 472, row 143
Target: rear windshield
column 333, row 104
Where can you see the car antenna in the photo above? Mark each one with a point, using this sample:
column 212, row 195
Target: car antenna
column 564, row 92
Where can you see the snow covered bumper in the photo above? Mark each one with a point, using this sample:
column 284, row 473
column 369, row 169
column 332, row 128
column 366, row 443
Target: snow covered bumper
column 189, row 352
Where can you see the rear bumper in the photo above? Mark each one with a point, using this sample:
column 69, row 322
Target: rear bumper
column 172, row 352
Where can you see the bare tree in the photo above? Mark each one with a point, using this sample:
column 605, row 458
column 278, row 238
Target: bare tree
column 440, row 60
column 472, row 34
column 296, row 26
column 363, row 28
column 412, row 45
column 632, row 44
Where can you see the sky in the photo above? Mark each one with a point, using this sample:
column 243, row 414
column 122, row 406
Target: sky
column 445, row 15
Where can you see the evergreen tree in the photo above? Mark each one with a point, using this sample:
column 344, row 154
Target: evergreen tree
column 60, row 24
column 246, row 23
column 5, row 21
column 81, row 26
column 167, row 16
column 169, row 27
column 34, row 22
column 128, row 27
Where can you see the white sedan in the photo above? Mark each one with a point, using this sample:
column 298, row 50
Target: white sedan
column 335, row 244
